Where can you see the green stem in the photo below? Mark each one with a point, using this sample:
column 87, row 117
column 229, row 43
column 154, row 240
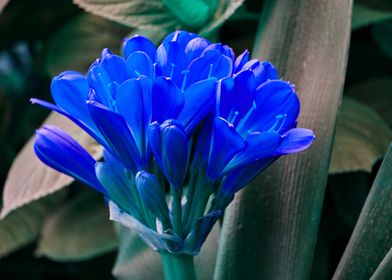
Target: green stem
column 178, row 267
column 176, row 194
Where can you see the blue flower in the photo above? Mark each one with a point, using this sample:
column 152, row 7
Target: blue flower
column 181, row 125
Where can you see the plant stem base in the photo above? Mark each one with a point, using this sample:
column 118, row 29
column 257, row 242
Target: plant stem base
column 178, row 267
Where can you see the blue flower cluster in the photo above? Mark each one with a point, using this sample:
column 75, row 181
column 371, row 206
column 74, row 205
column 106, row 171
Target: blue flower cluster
column 184, row 126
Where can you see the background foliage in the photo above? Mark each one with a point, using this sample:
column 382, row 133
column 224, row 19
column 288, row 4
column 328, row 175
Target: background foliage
column 53, row 228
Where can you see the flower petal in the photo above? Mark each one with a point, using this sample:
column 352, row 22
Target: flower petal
column 211, row 64
column 133, row 101
column 258, row 146
column 152, row 195
column 240, row 61
column 167, row 100
column 225, row 144
column 295, row 140
column 113, row 176
column 60, row 151
column 139, row 63
column 195, row 47
column 115, row 66
column 138, row 43
column 170, row 147
column 70, row 91
column 199, row 100
column 117, row 134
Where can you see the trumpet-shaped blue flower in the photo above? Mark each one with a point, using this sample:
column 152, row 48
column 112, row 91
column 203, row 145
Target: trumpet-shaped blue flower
column 181, row 125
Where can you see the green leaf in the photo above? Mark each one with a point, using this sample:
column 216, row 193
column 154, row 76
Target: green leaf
column 29, row 179
column 362, row 138
column 375, row 93
column 372, row 236
column 384, row 270
column 377, row 5
column 137, row 261
column 270, row 230
column 364, row 16
column 151, row 14
column 224, row 11
column 80, row 41
column 24, row 225
column 382, row 33
column 78, row 230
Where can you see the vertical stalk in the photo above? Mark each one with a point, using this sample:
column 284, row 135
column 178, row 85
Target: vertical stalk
column 270, row 230
column 178, row 267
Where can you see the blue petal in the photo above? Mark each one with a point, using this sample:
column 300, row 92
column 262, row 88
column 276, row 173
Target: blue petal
column 92, row 130
column 152, row 195
column 138, row 43
column 102, row 85
column 240, row 61
column 223, row 49
column 295, row 140
column 274, row 98
column 181, row 37
column 171, row 61
column 265, row 71
column 258, row 146
column 239, row 178
column 117, row 134
column 133, row 102
column 199, row 100
column 225, row 144
column 70, row 91
column 195, row 47
column 170, row 147
column 211, row 64
column 139, row 63
column 116, row 67
column 167, row 100
column 60, row 151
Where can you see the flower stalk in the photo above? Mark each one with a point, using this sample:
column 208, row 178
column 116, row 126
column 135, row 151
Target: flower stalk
column 178, row 267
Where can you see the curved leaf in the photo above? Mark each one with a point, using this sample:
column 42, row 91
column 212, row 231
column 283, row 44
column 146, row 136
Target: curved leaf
column 78, row 230
column 90, row 34
column 372, row 236
column 151, row 14
column 364, row 16
column 24, row 225
column 29, row 179
column 362, row 138
column 375, row 93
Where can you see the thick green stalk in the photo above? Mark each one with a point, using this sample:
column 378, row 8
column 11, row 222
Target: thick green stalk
column 270, row 230
column 178, row 267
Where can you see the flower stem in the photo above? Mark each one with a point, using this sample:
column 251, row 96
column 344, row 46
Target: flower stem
column 178, row 267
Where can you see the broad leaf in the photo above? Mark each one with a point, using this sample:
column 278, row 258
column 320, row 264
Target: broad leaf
column 375, row 93
column 384, row 270
column 364, row 16
column 270, row 230
column 24, row 225
column 29, row 179
column 382, row 33
column 78, row 230
column 362, row 138
column 225, row 9
column 372, row 236
column 151, row 14
column 137, row 261
column 90, row 35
